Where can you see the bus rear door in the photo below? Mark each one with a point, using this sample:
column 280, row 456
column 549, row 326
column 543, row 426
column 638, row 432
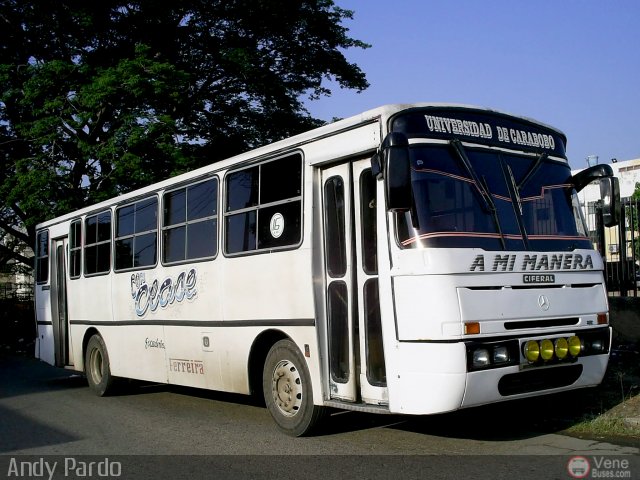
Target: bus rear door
column 59, row 315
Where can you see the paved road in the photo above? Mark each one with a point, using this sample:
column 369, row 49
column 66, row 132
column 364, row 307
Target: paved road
column 46, row 411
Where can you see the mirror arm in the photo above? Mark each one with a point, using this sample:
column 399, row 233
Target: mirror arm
column 588, row 175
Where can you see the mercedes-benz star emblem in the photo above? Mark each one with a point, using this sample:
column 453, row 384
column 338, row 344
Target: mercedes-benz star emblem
column 543, row 302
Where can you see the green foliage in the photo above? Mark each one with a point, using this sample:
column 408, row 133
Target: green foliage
column 632, row 212
column 99, row 98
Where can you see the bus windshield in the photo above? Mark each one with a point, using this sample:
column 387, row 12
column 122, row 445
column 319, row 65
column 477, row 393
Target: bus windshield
column 490, row 199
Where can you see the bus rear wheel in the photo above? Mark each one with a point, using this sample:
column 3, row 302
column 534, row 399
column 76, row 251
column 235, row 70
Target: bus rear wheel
column 287, row 390
column 96, row 366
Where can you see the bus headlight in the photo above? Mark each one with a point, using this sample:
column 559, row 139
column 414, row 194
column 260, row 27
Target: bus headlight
column 480, row 358
column 485, row 355
column 597, row 346
column 500, row 354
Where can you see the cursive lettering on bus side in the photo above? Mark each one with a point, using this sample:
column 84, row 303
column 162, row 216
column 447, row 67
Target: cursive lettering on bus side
column 149, row 297
column 151, row 343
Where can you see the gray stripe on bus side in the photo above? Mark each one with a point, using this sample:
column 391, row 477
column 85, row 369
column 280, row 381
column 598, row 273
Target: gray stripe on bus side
column 304, row 322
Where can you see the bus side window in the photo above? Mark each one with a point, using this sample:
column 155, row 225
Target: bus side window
column 280, row 214
column 136, row 234
column 369, row 227
column 264, row 206
column 97, row 248
column 376, row 369
column 75, row 249
column 240, row 222
column 334, row 214
column 42, row 257
column 190, row 222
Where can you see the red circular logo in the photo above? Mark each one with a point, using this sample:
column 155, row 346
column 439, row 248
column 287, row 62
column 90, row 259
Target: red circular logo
column 578, row 467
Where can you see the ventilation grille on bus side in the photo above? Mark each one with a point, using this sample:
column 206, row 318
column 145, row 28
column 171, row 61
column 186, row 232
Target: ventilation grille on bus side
column 536, row 380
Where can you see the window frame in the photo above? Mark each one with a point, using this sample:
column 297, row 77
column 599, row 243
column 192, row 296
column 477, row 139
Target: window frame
column 516, row 235
column 85, row 244
column 338, row 331
column 261, row 206
column 164, row 228
column 77, row 248
column 135, row 234
column 39, row 257
column 335, row 227
column 368, row 223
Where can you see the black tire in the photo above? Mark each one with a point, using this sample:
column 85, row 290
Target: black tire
column 96, row 367
column 286, row 384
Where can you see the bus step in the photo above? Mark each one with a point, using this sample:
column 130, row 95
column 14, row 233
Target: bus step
column 357, row 407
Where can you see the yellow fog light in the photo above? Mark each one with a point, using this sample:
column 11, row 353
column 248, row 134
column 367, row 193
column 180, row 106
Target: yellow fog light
column 546, row 349
column 575, row 346
column 561, row 348
column 532, row 351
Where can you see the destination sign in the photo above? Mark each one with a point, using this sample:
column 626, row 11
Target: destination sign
column 481, row 127
column 537, row 262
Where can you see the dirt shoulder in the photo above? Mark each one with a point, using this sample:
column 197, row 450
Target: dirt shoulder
column 612, row 410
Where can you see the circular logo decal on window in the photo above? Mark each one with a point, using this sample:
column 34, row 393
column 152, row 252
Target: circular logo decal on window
column 276, row 225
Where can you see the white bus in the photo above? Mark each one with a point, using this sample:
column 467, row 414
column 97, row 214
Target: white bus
column 413, row 259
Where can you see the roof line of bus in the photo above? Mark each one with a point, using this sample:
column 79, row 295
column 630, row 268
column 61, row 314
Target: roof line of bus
column 369, row 116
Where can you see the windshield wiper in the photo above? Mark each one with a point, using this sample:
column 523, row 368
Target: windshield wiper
column 483, row 195
column 534, row 168
column 514, row 192
column 482, row 188
column 516, row 189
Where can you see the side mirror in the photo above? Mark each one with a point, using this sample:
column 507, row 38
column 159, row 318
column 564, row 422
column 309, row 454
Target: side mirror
column 610, row 194
column 396, row 167
column 609, row 191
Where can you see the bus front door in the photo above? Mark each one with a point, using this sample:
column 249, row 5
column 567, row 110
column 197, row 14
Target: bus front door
column 353, row 334
column 59, row 302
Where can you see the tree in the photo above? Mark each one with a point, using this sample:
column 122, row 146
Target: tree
column 632, row 212
column 636, row 192
column 98, row 98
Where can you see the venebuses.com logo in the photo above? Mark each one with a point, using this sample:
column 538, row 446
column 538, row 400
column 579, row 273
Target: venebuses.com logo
column 578, row 467
column 598, row 467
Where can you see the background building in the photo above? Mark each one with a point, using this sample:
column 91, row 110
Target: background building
column 16, row 280
column 621, row 244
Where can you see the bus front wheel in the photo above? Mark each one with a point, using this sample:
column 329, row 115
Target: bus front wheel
column 287, row 390
column 97, row 367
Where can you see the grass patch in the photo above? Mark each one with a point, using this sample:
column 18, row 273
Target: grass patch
column 613, row 408
column 605, row 425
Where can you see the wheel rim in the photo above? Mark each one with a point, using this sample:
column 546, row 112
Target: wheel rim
column 96, row 365
column 286, row 387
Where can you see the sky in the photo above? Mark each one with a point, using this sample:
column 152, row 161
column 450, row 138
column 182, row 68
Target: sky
column 572, row 64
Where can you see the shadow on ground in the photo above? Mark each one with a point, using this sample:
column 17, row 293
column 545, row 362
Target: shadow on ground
column 520, row 419
column 512, row 420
